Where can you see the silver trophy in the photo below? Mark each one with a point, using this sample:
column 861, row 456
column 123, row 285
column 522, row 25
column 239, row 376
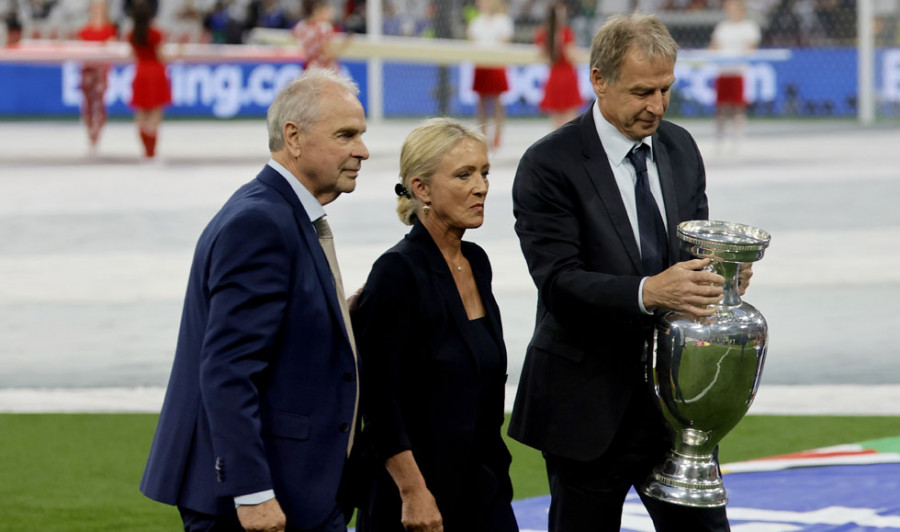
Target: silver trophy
column 705, row 371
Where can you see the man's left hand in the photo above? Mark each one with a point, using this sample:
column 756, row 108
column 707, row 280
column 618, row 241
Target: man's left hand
column 744, row 275
column 354, row 299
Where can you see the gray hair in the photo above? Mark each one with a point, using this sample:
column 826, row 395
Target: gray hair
column 298, row 102
column 422, row 154
column 620, row 32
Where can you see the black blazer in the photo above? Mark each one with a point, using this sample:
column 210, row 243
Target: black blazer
column 584, row 359
column 420, row 379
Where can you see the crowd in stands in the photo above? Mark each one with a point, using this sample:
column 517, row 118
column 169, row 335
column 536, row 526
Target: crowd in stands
column 784, row 22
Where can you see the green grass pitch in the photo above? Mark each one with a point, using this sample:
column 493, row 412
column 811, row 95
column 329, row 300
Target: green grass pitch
column 80, row 472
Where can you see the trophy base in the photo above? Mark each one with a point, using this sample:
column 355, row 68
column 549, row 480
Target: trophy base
column 687, row 481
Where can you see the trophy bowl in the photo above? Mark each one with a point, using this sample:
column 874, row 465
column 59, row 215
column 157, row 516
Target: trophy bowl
column 704, row 372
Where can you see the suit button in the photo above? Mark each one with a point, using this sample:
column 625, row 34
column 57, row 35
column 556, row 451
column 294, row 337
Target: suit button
column 220, row 469
column 348, row 377
column 344, row 427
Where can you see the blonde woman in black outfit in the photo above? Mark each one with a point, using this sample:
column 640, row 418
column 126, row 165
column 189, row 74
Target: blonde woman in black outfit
column 433, row 363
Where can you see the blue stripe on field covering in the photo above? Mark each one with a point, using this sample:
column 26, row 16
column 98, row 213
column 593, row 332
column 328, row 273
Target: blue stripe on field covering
column 811, row 499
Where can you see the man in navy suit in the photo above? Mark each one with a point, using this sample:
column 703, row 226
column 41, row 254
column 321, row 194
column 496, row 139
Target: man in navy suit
column 261, row 404
column 597, row 203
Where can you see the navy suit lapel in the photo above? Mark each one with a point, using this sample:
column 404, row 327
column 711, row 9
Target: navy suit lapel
column 670, row 194
column 272, row 178
column 597, row 166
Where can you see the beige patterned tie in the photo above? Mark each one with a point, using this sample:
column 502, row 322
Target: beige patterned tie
column 326, row 240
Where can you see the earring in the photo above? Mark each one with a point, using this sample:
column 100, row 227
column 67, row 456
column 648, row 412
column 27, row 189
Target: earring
column 426, row 209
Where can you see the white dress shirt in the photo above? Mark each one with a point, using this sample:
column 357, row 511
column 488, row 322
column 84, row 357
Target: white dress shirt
column 617, row 147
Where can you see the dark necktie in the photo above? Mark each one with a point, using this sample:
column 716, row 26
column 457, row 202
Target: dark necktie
column 654, row 247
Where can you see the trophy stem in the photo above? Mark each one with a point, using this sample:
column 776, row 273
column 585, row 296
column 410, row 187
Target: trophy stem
column 731, row 294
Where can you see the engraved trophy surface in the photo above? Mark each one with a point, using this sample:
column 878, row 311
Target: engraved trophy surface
column 705, row 371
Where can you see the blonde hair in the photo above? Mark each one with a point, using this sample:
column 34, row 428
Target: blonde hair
column 620, row 32
column 298, row 102
column 422, row 154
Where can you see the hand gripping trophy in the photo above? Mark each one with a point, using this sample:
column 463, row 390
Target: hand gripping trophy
column 705, row 371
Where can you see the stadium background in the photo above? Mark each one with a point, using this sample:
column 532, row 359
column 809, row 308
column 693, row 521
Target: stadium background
column 94, row 251
column 815, row 76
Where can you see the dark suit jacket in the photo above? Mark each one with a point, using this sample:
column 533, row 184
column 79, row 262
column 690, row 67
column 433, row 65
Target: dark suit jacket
column 584, row 360
column 263, row 386
column 420, row 380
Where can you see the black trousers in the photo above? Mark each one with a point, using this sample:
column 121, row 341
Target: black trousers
column 200, row 522
column 588, row 496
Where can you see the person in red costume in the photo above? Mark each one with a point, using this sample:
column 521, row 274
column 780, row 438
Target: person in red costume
column 490, row 27
column 733, row 38
column 556, row 41
column 150, row 90
column 321, row 44
column 94, row 75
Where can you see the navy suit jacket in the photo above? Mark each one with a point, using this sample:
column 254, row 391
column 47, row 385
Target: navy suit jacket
column 263, row 386
column 585, row 358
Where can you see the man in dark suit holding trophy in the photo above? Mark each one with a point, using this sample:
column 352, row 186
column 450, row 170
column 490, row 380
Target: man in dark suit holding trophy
column 597, row 203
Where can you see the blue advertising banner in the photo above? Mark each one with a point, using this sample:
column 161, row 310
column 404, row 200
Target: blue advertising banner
column 219, row 90
column 808, row 82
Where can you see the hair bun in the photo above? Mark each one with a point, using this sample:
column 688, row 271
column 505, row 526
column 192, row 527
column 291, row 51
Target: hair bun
column 400, row 190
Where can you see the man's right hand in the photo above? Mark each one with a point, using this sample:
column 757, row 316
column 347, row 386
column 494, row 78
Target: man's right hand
column 685, row 287
column 263, row 517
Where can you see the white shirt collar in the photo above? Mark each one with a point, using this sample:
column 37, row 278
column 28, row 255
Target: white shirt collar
column 614, row 142
column 310, row 204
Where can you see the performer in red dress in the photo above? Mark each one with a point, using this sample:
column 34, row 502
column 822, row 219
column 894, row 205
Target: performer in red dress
column 734, row 37
column 150, row 90
column 490, row 27
column 562, row 99
column 316, row 35
column 94, row 75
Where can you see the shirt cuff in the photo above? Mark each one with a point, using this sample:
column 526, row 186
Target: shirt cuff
column 252, row 499
column 641, row 298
